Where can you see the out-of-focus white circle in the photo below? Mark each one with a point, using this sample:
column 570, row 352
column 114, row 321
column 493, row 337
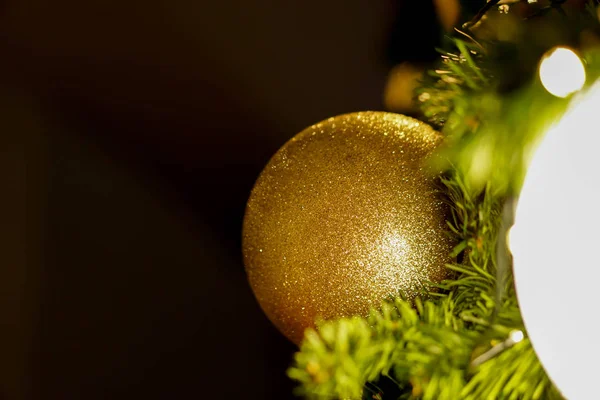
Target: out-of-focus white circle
column 556, row 248
column 562, row 72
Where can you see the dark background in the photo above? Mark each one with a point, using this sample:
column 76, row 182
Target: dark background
column 131, row 133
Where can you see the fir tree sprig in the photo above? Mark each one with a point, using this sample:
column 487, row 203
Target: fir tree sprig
column 467, row 340
column 426, row 347
column 491, row 106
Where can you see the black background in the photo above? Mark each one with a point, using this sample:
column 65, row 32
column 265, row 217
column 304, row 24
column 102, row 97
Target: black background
column 131, row 133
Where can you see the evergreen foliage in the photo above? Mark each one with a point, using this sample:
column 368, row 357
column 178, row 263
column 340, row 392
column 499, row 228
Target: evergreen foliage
column 466, row 339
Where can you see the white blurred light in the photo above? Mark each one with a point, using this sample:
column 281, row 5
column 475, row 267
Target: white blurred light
column 556, row 248
column 562, row 72
column 516, row 336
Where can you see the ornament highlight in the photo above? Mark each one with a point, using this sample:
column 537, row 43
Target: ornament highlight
column 554, row 243
column 343, row 216
column 562, row 72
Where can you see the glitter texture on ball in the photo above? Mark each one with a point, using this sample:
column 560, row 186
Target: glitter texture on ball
column 345, row 215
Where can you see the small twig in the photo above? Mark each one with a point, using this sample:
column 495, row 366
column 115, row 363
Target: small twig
column 515, row 337
column 554, row 4
column 488, row 6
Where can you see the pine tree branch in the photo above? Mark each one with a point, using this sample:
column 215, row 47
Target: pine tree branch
column 457, row 344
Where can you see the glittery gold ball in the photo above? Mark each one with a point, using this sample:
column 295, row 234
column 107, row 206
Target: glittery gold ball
column 343, row 216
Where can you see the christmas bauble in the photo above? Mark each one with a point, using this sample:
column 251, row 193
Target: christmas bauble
column 343, row 216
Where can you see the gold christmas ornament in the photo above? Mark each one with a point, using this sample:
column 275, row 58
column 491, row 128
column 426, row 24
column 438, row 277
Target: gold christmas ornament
column 344, row 215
